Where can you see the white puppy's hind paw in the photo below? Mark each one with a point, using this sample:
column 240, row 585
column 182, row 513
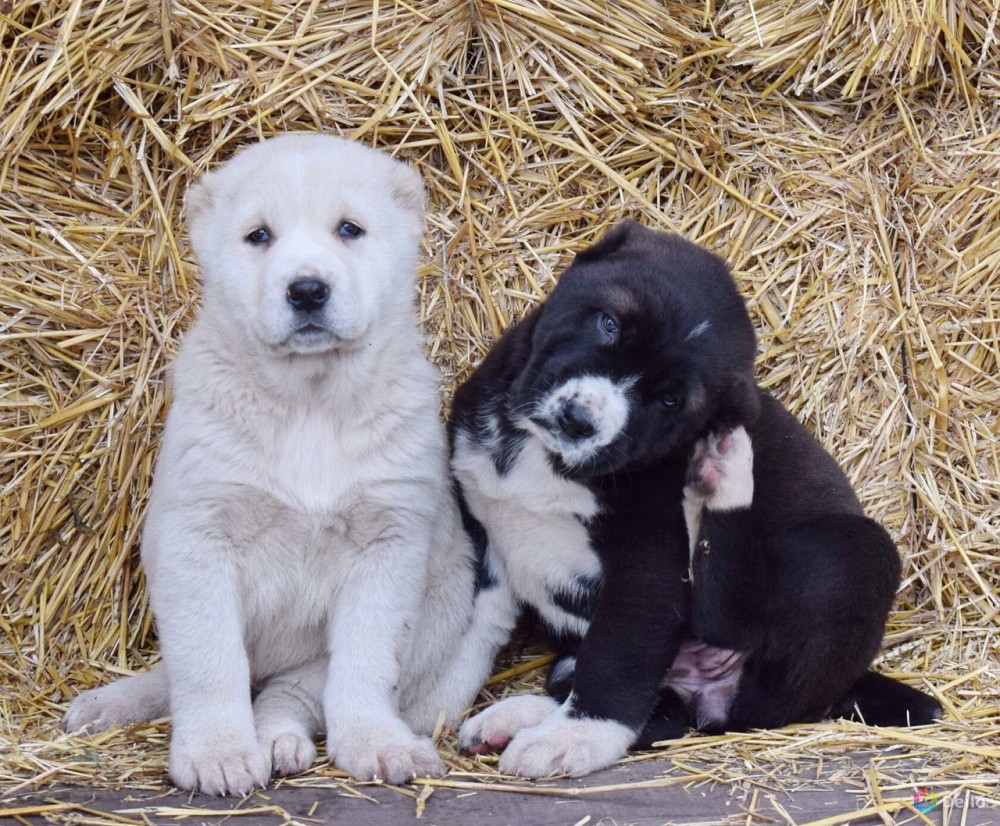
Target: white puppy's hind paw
column 565, row 745
column 391, row 753
column 90, row 713
column 492, row 729
column 291, row 753
column 108, row 706
column 222, row 763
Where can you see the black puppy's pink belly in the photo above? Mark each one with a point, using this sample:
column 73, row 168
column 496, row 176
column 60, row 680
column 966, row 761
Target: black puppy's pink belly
column 707, row 678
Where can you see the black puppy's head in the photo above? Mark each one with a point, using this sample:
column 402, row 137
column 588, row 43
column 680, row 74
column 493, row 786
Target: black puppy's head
column 644, row 344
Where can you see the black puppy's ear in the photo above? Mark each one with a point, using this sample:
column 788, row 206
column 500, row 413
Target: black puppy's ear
column 612, row 241
column 740, row 402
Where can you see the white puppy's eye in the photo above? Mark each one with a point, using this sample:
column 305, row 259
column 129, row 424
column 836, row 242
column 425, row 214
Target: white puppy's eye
column 607, row 326
column 258, row 237
column 348, row 229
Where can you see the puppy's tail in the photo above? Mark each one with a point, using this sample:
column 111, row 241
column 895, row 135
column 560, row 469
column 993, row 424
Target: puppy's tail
column 880, row 701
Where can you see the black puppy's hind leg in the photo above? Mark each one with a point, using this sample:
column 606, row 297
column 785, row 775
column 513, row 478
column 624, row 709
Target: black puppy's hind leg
column 669, row 721
column 880, row 701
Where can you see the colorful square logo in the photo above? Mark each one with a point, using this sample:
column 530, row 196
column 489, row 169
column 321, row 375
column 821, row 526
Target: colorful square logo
column 925, row 800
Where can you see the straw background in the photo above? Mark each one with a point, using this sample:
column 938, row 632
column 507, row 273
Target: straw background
column 843, row 156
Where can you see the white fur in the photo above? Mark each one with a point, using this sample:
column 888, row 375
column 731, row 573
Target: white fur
column 142, row 696
column 606, row 405
column 562, row 669
column 735, row 488
column 471, row 662
column 699, row 329
column 301, row 532
column 562, row 744
column 288, row 714
column 535, row 518
column 693, row 504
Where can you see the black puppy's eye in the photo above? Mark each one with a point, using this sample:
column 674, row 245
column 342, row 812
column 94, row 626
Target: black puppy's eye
column 348, row 229
column 608, row 326
column 258, row 237
column 669, row 402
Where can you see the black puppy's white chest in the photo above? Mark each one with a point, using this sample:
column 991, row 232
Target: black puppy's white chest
column 537, row 524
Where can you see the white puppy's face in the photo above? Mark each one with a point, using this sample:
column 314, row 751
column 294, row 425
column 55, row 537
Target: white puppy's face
column 307, row 240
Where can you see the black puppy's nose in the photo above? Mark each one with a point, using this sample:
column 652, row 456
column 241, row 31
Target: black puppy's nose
column 307, row 294
column 573, row 420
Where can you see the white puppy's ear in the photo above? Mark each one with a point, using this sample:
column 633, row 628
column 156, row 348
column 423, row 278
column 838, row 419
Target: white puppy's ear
column 200, row 197
column 199, row 200
column 408, row 189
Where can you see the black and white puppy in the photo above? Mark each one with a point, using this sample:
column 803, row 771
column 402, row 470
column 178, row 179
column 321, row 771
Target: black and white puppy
column 694, row 555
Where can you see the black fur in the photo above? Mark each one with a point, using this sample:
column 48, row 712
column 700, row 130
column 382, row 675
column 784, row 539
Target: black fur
column 800, row 583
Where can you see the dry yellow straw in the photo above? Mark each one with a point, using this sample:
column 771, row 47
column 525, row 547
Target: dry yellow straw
column 843, row 156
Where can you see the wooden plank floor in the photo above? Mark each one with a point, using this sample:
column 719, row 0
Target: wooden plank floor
column 674, row 804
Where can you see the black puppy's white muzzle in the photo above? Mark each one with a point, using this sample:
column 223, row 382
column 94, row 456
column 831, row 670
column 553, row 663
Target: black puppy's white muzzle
column 580, row 417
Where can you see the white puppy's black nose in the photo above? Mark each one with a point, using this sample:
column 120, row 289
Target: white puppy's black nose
column 574, row 421
column 307, row 294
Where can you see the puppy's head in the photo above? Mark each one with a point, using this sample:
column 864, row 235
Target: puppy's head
column 304, row 239
column 643, row 345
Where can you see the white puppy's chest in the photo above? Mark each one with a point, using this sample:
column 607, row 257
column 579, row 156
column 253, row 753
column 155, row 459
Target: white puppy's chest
column 536, row 522
column 293, row 500
column 313, row 463
column 321, row 479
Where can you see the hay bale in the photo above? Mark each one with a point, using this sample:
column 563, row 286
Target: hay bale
column 841, row 155
column 857, row 44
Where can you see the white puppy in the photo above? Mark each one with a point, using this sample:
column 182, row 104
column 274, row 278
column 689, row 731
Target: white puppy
column 306, row 561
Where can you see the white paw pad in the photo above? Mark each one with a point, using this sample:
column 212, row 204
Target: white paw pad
column 493, row 729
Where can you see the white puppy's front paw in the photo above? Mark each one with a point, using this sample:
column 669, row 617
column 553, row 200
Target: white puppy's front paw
column 720, row 471
column 219, row 762
column 493, row 728
column 383, row 751
column 566, row 745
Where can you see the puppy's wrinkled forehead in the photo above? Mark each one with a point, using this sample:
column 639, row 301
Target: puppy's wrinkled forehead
column 307, row 177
